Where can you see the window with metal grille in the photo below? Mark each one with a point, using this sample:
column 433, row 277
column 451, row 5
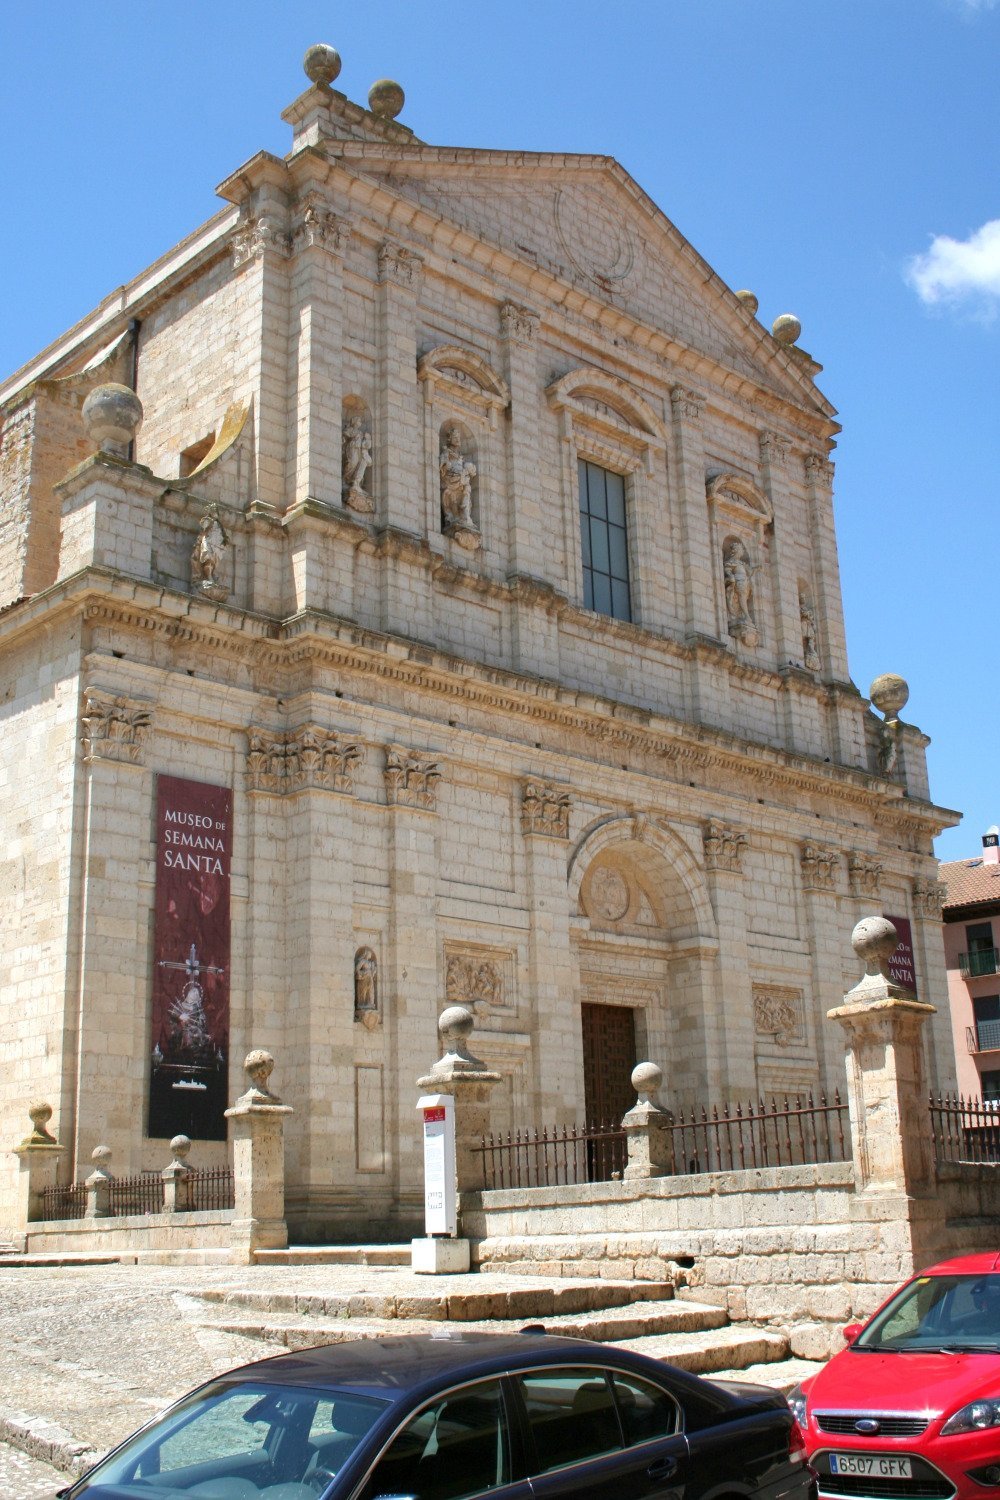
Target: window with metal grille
column 604, row 541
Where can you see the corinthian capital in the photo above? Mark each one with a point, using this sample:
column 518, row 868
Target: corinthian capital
column 256, row 236
column 114, row 728
column 686, row 403
column 519, row 324
column 401, row 266
column 819, row 469
column 318, row 226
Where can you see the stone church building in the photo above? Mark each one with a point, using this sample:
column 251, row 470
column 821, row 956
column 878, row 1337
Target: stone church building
column 461, row 622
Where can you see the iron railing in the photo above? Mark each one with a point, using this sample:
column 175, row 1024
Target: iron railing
column 210, row 1189
column 983, row 1036
column 761, row 1133
column 979, row 961
column 135, row 1195
column 965, row 1129
column 64, row 1202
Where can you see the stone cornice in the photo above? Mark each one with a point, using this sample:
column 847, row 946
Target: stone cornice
column 101, row 597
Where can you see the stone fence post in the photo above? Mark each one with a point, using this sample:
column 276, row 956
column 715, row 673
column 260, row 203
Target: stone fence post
column 176, row 1178
column 38, row 1160
column 469, row 1082
column 647, row 1127
column 258, row 1123
column 887, row 1097
column 98, row 1184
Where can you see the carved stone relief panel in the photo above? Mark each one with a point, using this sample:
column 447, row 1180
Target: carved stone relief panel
column 481, row 978
column 779, row 1013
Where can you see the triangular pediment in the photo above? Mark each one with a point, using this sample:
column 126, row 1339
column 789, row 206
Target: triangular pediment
column 584, row 220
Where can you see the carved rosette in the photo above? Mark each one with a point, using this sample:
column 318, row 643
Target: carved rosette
column 819, row 867
column 305, row 758
column 473, row 981
column 724, row 847
column 778, row 1013
column 114, row 728
column 318, row 227
column 928, row 898
column 518, row 324
column 687, row 403
column 253, row 237
column 400, row 266
column 545, row 810
column 865, row 875
column 410, row 779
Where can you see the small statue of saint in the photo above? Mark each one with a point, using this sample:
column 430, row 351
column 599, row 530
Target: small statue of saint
column 457, row 474
column 738, row 571
column 810, row 655
column 357, row 460
column 207, row 555
column 366, row 987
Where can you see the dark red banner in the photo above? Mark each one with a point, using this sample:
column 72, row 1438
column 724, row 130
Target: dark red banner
column 902, row 967
column 189, row 1065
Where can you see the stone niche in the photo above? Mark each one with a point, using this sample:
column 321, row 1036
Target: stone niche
column 463, row 447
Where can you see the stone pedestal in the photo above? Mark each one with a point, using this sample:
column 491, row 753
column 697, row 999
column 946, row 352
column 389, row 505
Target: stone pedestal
column 647, row 1127
column 469, row 1081
column 887, row 1096
column 98, row 1184
column 258, row 1122
column 38, row 1162
column 440, row 1257
column 107, row 516
column 176, row 1178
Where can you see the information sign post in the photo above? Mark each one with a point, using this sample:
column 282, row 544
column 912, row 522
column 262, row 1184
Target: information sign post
column 440, row 1250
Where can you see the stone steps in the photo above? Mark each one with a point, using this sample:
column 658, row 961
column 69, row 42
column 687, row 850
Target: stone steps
column 335, row 1255
column 783, row 1375
column 732, row 1349
column 516, row 1304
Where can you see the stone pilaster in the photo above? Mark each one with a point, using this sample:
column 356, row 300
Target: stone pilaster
column 928, row 955
column 534, row 627
column 261, row 250
column 887, row 1093
column 822, row 877
column 729, row 1029
column 107, row 517
column 829, row 604
column 553, row 979
column 406, row 586
column 319, row 240
column 257, row 1123
column 774, row 457
column 696, row 543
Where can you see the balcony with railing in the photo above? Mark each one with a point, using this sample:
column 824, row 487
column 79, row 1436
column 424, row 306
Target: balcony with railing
column 979, row 961
column 983, row 1036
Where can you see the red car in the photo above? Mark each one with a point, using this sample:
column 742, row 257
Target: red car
column 911, row 1409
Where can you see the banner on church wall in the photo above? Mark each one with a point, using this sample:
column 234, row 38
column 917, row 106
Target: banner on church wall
column 902, row 968
column 189, row 1063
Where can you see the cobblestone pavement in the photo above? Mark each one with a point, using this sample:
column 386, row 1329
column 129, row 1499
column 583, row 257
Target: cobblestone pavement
column 24, row 1478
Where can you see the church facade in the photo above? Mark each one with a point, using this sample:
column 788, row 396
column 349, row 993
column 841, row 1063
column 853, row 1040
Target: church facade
column 461, row 624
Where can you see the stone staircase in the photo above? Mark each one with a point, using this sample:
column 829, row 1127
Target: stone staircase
column 639, row 1315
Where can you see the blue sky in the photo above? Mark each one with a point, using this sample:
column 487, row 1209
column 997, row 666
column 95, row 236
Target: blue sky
column 839, row 157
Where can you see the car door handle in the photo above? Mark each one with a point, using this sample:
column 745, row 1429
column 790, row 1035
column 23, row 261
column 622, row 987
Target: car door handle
column 663, row 1468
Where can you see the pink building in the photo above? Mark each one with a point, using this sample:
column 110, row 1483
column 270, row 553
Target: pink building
column 971, row 915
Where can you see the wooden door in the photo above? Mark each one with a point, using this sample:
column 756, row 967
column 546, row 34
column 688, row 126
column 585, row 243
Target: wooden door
column 608, row 1060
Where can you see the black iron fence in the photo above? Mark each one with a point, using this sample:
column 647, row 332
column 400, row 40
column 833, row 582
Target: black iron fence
column 965, row 1129
column 773, row 1133
column 209, row 1189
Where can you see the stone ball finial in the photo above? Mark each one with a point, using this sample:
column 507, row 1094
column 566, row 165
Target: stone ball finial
column 258, row 1066
column 647, row 1079
column 786, row 328
column 40, row 1113
column 112, row 415
column 457, row 1023
column 321, row 64
column 100, row 1156
column 386, row 98
column 180, row 1146
column 749, row 301
column 889, row 693
column 875, row 940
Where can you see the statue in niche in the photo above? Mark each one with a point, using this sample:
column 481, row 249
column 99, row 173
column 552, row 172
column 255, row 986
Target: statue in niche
column 208, row 554
column 810, row 655
column 357, row 460
column 457, row 474
column 366, row 988
column 738, row 571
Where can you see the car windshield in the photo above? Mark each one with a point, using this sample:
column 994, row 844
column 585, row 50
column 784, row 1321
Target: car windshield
column 956, row 1314
column 237, row 1441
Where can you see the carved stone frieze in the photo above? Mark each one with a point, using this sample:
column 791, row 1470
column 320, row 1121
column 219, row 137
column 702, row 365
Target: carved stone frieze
column 686, row 403
column 114, row 728
column 724, row 847
column 519, row 324
column 410, row 779
column 928, row 898
column 473, row 980
column 256, row 235
column 865, row 875
column 399, row 265
column 306, row 757
column 819, row 867
column 545, row 810
column 778, row 1012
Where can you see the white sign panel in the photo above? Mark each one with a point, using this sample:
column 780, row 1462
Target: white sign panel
column 440, row 1216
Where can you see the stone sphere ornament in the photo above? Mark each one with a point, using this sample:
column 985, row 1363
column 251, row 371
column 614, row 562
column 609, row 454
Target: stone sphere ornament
column 40, row 1113
column 875, row 940
column 321, row 64
column 180, row 1146
column 386, row 98
column 457, row 1023
column 100, row 1156
column 112, row 415
column 890, row 694
column 749, row 301
column 786, row 328
column 647, row 1079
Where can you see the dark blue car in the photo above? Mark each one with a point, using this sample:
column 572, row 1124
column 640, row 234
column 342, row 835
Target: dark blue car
column 452, row 1416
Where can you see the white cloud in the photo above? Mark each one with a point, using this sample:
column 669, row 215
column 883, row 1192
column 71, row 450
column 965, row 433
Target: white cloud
column 960, row 271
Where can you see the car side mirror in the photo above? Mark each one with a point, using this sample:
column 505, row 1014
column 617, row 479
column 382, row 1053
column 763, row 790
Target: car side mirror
column 851, row 1331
